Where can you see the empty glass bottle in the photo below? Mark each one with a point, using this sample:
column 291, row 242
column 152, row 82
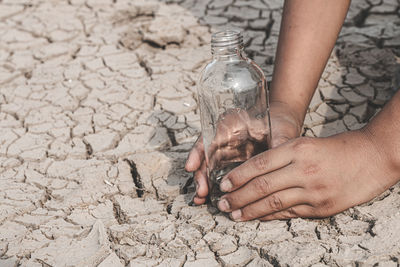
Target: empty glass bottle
column 234, row 111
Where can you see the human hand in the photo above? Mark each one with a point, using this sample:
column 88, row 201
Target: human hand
column 308, row 177
column 244, row 144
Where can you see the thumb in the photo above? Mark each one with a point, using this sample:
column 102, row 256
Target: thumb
column 196, row 156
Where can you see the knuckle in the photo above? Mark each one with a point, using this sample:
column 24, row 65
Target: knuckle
column 260, row 162
column 310, row 169
column 319, row 188
column 275, row 203
column 278, row 140
column 262, row 186
column 328, row 204
column 303, row 144
column 314, row 181
column 317, row 197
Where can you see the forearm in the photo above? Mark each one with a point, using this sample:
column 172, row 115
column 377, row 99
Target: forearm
column 308, row 33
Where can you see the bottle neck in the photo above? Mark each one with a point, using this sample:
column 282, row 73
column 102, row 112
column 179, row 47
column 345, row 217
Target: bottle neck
column 227, row 53
column 227, row 45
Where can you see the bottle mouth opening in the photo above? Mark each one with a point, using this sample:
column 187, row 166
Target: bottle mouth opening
column 226, row 38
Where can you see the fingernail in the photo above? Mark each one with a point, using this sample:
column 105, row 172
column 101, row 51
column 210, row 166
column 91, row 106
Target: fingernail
column 236, row 215
column 226, row 185
column 223, row 205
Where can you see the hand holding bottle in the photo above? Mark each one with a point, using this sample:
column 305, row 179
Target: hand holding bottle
column 248, row 141
column 311, row 177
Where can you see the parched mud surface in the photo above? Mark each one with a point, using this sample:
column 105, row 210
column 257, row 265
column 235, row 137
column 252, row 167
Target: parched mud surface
column 98, row 112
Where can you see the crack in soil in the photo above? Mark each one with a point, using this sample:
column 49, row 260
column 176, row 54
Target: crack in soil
column 119, row 215
column 137, row 180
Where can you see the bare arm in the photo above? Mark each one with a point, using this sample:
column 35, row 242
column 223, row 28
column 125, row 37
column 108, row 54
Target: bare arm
column 308, row 33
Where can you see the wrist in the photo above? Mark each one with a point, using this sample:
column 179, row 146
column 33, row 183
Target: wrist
column 291, row 110
column 384, row 155
column 383, row 132
column 295, row 97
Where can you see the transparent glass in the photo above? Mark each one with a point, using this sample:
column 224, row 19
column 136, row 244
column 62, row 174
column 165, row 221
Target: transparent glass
column 234, row 108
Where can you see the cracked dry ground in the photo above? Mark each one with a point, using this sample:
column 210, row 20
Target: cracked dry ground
column 98, row 112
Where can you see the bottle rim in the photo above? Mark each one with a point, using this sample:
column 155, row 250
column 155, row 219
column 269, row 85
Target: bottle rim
column 226, row 38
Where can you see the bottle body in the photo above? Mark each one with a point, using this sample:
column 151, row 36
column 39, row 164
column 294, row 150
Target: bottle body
column 234, row 114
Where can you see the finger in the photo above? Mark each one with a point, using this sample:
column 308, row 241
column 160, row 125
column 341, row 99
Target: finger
column 238, row 159
column 249, row 150
column 222, row 155
column 276, row 202
column 237, row 129
column 301, row 211
column 231, row 130
column 200, row 178
column 199, row 200
column 226, row 155
column 261, row 187
column 196, row 156
column 226, row 141
column 260, row 164
column 258, row 129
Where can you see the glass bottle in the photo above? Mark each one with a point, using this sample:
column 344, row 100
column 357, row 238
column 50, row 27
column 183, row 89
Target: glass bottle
column 234, row 111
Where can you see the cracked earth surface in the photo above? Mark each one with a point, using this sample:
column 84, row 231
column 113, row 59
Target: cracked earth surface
column 98, row 111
